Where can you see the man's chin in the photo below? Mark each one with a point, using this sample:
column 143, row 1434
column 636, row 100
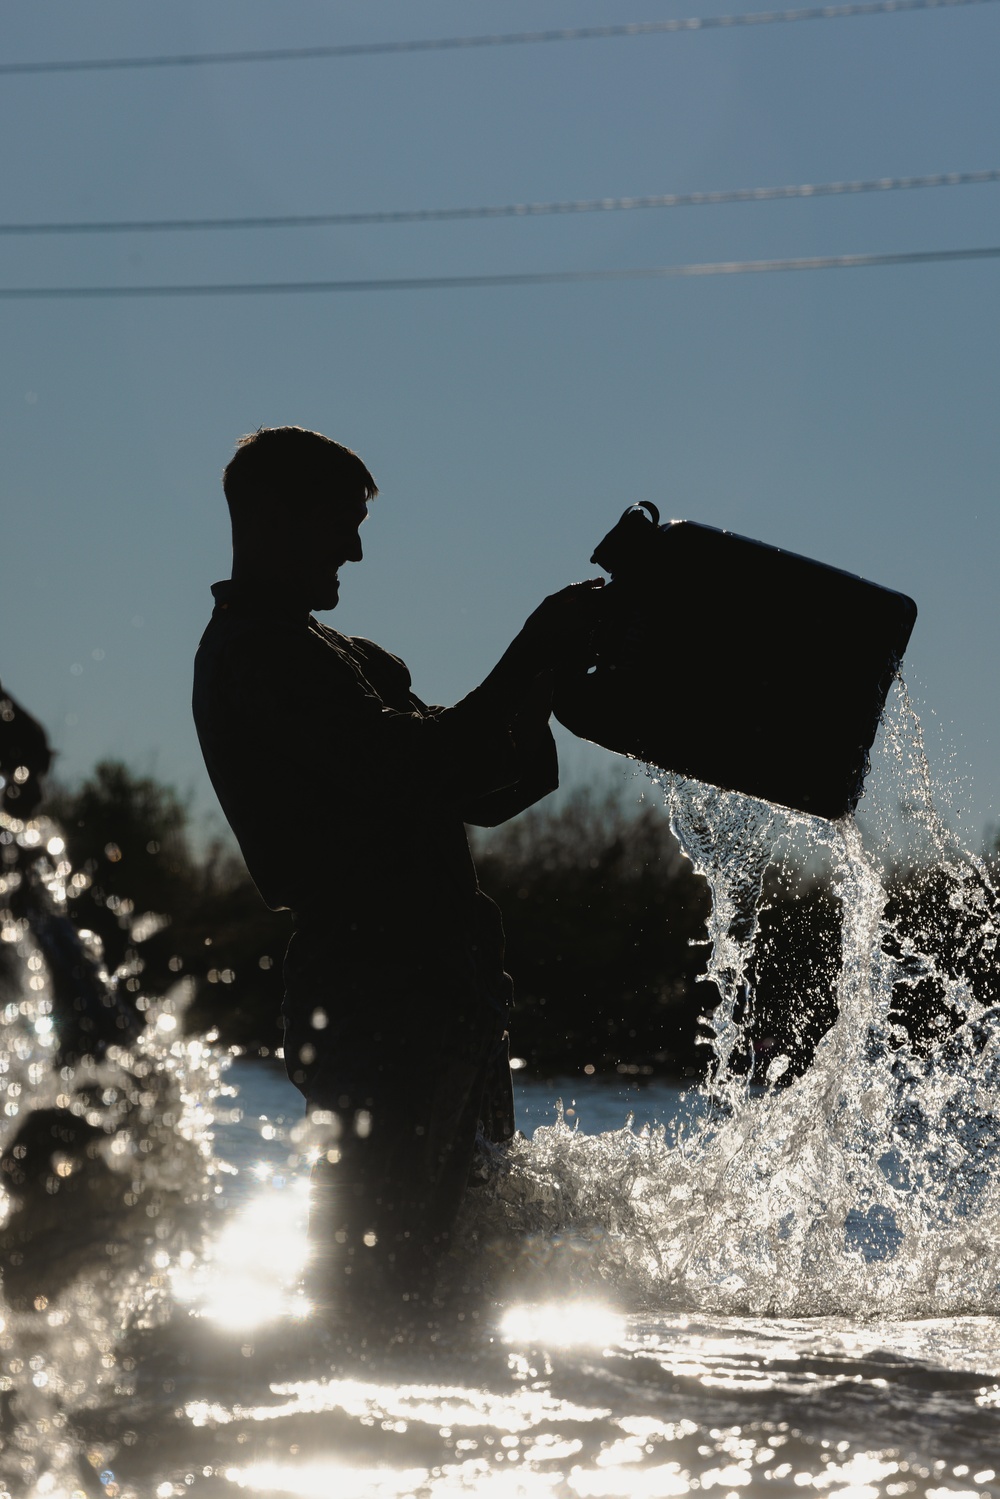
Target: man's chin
column 326, row 595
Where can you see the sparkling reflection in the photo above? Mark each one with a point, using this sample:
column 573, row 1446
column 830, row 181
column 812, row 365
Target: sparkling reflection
column 452, row 1406
column 727, row 1230
column 323, row 1480
column 557, row 1324
column 649, row 1484
column 249, row 1276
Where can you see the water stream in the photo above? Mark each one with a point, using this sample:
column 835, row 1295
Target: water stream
column 759, row 1288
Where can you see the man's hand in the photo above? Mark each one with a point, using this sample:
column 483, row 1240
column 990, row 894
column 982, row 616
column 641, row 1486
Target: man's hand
column 558, row 636
column 560, row 632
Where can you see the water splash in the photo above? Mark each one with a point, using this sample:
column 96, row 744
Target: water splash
column 868, row 1185
column 106, row 1167
column 730, row 840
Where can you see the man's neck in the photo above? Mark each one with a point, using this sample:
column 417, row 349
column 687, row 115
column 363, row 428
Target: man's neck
column 270, row 592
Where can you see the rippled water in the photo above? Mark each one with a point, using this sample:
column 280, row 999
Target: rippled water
column 743, row 1290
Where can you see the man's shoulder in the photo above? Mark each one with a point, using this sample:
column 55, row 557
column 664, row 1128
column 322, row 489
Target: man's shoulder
column 234, row 637
column 242, row 653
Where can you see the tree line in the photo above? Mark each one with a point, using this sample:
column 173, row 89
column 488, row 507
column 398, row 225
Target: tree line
column 605, row 921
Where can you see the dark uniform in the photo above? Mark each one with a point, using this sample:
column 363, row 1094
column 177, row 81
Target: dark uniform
column 348, row 796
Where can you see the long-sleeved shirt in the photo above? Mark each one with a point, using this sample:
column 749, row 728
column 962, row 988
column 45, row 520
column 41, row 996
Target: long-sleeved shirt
column 346, row 793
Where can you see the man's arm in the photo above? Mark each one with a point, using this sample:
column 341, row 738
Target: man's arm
column 494, row 740
column 303, row 712
column 537, row 761
column 509, row 711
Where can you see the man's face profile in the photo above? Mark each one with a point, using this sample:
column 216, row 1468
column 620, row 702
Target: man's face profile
column 327, row 536
column 297, row 502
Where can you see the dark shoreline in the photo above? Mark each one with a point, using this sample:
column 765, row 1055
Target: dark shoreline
column 633, row 1074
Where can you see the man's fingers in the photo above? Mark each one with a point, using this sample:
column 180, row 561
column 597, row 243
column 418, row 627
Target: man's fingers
column 586, row 585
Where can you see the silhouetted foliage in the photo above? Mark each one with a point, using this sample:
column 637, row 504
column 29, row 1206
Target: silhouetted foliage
column 940, row 929
column 130, row 835
column 603, row 915
column 945, row 925
column 794, row 970
column 605, row 923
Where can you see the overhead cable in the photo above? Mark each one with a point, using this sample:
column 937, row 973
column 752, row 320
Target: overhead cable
column 508, row 210
column 501, row 278
column 504, row 39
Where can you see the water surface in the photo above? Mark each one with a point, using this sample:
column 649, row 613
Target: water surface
column 743, row 1290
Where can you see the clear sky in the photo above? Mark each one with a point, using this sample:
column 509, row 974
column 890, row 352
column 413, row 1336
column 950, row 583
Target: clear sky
column 848, row 414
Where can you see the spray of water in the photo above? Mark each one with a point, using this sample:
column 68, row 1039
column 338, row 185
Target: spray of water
column 106, row 1168
column 866, row 1186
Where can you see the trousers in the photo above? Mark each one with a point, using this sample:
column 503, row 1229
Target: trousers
column 409, row 1070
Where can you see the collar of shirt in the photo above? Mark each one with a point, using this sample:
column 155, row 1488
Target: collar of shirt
column 260, row 598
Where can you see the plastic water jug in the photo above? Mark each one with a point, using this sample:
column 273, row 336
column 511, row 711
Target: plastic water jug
column 737, row 663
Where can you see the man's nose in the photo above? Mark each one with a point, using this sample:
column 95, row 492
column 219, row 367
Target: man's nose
column 352, row 550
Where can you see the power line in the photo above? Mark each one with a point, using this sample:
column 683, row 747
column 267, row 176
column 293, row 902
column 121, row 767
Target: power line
column 511, row 278
column 510, row 210
column 508, row 39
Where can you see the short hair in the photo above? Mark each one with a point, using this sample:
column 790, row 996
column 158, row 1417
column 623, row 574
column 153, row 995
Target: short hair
column 277, row 461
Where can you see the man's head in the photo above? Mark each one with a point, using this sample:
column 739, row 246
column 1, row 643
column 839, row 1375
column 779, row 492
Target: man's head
column 296, row 500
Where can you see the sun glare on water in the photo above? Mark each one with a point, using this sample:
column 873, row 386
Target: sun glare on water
column 250, row 1276
column 323, row 1480
column 563, row 1324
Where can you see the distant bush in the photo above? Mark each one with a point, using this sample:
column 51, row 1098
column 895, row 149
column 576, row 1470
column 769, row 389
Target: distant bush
column 130, row 835
column 605, row 923
column 604, row 917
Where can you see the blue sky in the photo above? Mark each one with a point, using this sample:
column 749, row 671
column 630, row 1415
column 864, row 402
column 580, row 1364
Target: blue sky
column 849, row 415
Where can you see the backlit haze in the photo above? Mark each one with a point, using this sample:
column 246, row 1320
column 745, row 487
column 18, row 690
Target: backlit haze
column 850, row 415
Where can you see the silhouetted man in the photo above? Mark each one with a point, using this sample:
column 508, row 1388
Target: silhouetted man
column 348, row 796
